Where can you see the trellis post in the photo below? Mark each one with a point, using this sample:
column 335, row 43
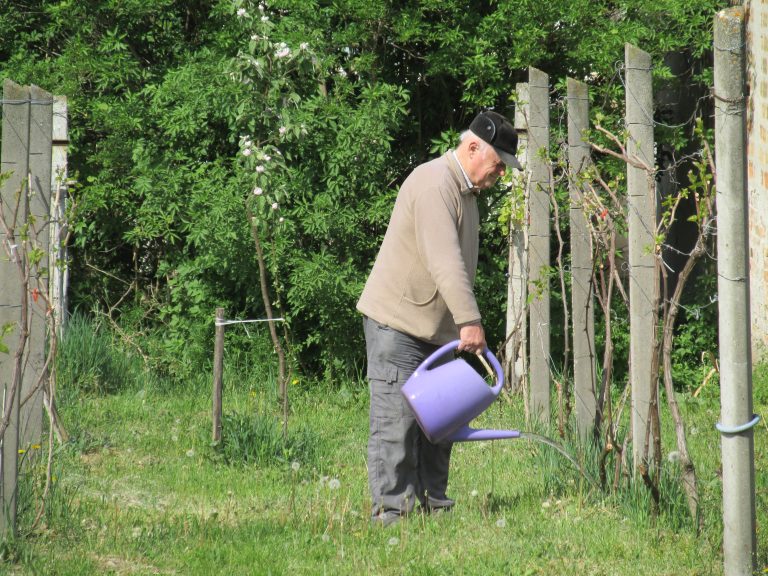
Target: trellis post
column 537, row 166
column 582, row 299
column 643, row 278
column 737, row 419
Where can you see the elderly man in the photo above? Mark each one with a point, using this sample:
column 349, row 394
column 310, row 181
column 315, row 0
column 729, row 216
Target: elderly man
column 419, row 296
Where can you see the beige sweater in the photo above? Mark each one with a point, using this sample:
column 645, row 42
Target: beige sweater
column 423, row 277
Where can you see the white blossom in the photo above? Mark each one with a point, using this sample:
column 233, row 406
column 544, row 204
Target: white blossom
column 265, row 18
column 275, row 205
column 259, row 168
column 282, row 131
column 242, row 13
column 247, row 152
column 281, row 220
column 258, row 191
column 261, row 7
column 341, row 72
column 283, row 52
column 304, row 46
column 267, row 157
column 255, row 37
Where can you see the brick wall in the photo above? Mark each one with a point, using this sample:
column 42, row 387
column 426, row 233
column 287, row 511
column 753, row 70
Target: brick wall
column 757, row 121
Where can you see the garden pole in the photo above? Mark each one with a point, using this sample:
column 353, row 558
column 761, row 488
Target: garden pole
column 15, row 161
column 517, row 319
column 218, row 373
column 537, row 165
column 39, row 211
column 59, row 252
column 737, row 418
column 643, row 278
column 584, row 376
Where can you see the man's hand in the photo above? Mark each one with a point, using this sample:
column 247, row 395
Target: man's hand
column 472, row 338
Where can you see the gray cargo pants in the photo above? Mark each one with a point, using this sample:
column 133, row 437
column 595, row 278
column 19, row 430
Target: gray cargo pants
column 403, row 465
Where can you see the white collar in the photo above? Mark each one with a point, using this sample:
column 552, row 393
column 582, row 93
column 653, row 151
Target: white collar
column 466, row 178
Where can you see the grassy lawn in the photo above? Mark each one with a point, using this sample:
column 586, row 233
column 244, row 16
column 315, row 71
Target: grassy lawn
column 139, row 490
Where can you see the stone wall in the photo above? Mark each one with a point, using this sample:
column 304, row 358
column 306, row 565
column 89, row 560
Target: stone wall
column 757, row 122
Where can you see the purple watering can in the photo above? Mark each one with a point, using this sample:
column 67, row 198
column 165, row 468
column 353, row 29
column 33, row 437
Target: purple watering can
column 446, row 398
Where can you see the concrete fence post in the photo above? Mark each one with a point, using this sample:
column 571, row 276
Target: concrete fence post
column 584, row 376
column 737, row 443
column 516, row 353
column 537, row 165
column 14, row 160
column 643, row 278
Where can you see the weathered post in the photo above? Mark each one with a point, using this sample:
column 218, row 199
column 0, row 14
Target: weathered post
column 59, row 266
column 38, row 210
column 537, row 164
column 582, row 298
column 15, row 162
column 517, row 319
column 737, row 418
column 218, row 373
column 643, row 278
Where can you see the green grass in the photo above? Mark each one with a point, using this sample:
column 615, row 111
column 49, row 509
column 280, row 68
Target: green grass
column 139, row 490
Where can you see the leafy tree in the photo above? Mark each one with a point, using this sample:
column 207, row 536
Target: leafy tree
column 164, row 94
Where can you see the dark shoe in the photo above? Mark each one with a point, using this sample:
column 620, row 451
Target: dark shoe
column 386, row 518
column 438, row 506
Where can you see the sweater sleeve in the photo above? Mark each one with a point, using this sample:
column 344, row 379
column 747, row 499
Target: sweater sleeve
column 436, row 214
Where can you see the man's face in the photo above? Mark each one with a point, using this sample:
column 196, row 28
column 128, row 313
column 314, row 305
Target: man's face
column 488, row 168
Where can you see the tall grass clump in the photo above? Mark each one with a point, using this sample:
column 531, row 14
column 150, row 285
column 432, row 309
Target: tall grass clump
column 258, row 439
column 90, row 362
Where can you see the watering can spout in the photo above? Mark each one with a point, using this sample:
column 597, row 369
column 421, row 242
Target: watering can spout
column 467, row 434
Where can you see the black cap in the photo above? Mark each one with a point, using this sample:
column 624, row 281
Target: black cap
column 499, row 133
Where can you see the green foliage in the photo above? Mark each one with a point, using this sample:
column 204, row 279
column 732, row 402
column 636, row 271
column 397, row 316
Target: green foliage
column 164, row 95
column 257, row 439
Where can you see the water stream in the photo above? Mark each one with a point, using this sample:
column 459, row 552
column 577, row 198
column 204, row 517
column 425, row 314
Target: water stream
column 549, row 442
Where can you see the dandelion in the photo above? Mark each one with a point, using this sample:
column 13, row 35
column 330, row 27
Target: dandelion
column 326, row 537
column 22, row 451
column 282, row 131
column 242, row 13
column 473, row 493
column 295, row 466
column 247, row 152
column 673, row 456
column 501, row 523
column 258, row 191
column 394, row 541
column 259, row 168
column 136, row 532
column 323, row 480
column 35, row 446
column 275, row 206
column 191, row 453
column 546, row 504
column 334, row 484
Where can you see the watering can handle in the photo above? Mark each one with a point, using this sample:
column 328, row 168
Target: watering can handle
column 487, row 354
